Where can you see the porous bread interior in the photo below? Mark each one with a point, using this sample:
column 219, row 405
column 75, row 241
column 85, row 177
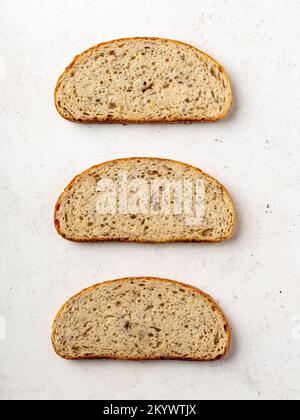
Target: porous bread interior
column 143, row 80
column 77, row 217
column 141, row 318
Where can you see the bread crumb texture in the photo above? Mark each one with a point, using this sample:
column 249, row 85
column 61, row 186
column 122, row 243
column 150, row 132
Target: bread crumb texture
column 143, row 80
column 141, row 319
column 77, row 217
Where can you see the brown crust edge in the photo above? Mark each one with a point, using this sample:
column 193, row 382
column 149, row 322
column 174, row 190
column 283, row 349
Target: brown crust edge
column 142, row 121
column 57, row 226
column 108, row 357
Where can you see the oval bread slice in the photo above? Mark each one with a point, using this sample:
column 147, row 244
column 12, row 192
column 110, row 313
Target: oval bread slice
column 146, row 200
column 141, row 319
column 143, row 80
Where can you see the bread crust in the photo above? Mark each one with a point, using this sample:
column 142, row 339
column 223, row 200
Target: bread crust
column 112, row 120
column 185, row 240
column 135, row 359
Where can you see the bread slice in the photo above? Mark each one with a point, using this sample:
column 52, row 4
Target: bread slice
column 147, row 200
column 143, row 80
column 141, row 319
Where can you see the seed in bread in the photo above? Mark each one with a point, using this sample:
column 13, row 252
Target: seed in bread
column 141, row 319
column 143, row 80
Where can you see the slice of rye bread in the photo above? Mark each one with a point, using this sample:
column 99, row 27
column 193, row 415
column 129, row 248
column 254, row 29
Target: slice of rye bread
column 141, row 319
column 143, row 80
column 78, row 217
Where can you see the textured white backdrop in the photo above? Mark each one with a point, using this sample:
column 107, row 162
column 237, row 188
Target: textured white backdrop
column 255, row 153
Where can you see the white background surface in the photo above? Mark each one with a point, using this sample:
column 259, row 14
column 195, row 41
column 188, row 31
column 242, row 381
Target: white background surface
column 254, row 152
